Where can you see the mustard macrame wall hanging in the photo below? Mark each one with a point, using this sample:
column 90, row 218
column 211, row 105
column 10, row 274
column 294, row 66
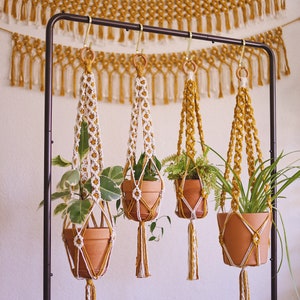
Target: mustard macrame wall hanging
column 143, row 185
column 244, row 236
column 201, row 16
column 114, row 72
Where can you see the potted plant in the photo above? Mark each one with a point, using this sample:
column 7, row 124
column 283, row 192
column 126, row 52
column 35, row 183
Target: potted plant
column 268, row 181
column 88, row 243
column 142, row 182
column 194, row 179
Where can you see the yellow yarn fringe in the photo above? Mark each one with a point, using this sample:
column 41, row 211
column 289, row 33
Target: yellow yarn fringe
column 142, row 266
column 244, row 285
column 114, row 71
column 90, row 290
column 193, row 252
column 202, row 16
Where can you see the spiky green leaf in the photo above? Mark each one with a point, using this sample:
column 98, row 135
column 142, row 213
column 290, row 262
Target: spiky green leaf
column 152, row 226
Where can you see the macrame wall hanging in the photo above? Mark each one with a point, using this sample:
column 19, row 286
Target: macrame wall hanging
column 190, row 192
column 114, row 72
column 201, row 16
column 89, row 245
column 244, row 237
column 143, row 185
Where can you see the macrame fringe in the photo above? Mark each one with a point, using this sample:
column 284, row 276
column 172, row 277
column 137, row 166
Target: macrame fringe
column 188, row 15
column 193, row 252
column 142, row 267
column 90, row 290
column 114, row 72
column 244, row 285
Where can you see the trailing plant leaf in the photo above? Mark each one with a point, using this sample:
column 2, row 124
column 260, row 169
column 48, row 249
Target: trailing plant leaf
column 156, row 231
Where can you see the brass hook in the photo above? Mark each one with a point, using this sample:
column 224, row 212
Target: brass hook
column 189, row 46
column 87, row 33
column 242, row 53
column 139, row 39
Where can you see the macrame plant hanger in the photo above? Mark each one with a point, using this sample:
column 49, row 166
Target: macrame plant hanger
column 190, row 117
column 97, row 228
column 141, row 198
column 48, row 122
column 244, row 130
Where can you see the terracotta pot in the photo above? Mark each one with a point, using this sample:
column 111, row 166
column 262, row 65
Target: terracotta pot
column 191, row 192
column 96, row 249
column 237, row 238
column 151, row 194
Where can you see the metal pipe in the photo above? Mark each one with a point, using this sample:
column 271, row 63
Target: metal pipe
column 48, row 122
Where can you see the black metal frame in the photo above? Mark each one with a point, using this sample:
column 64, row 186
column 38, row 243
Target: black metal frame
column 48, row 124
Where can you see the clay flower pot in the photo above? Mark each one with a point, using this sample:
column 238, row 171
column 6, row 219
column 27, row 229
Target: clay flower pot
column 243, row 247
column 150, row 199
column 95, row 251
column 192, row 193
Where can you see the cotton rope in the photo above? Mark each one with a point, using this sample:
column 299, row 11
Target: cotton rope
column 141, row 109
column 90, row 167
column 243, row 129
column 190, row 118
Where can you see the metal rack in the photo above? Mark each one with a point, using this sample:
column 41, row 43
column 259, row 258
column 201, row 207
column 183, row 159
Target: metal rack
column 48, row 123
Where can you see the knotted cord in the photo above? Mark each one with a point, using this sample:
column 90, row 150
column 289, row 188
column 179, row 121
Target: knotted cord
column 243, row 130
column 190, row 118
column 138, row 202
column 83, row 262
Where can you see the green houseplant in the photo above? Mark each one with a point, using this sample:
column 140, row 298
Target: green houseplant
column 87, row 230
column 197, row 178
column 142, row 181
column 257, row 195
column 75, row 195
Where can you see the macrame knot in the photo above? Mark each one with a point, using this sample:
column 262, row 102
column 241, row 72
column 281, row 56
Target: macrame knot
column 256, row 238
column 140, row 70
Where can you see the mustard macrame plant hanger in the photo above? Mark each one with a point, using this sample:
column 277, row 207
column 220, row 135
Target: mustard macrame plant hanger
column 190, row 117
column 134, row 199
column 243, row 130
column 90, row 166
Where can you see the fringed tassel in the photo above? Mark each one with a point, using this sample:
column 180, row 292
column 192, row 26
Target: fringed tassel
column 90, row 290
column 193, row 252
column 244, row 285
column 142, row 267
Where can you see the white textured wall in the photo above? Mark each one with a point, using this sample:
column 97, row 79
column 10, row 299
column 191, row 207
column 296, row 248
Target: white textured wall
column 21, row 189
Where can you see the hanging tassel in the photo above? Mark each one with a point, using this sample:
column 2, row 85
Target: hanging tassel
column 193, row 252
column 90, row 290
column 142, row 268
column 244, row 285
